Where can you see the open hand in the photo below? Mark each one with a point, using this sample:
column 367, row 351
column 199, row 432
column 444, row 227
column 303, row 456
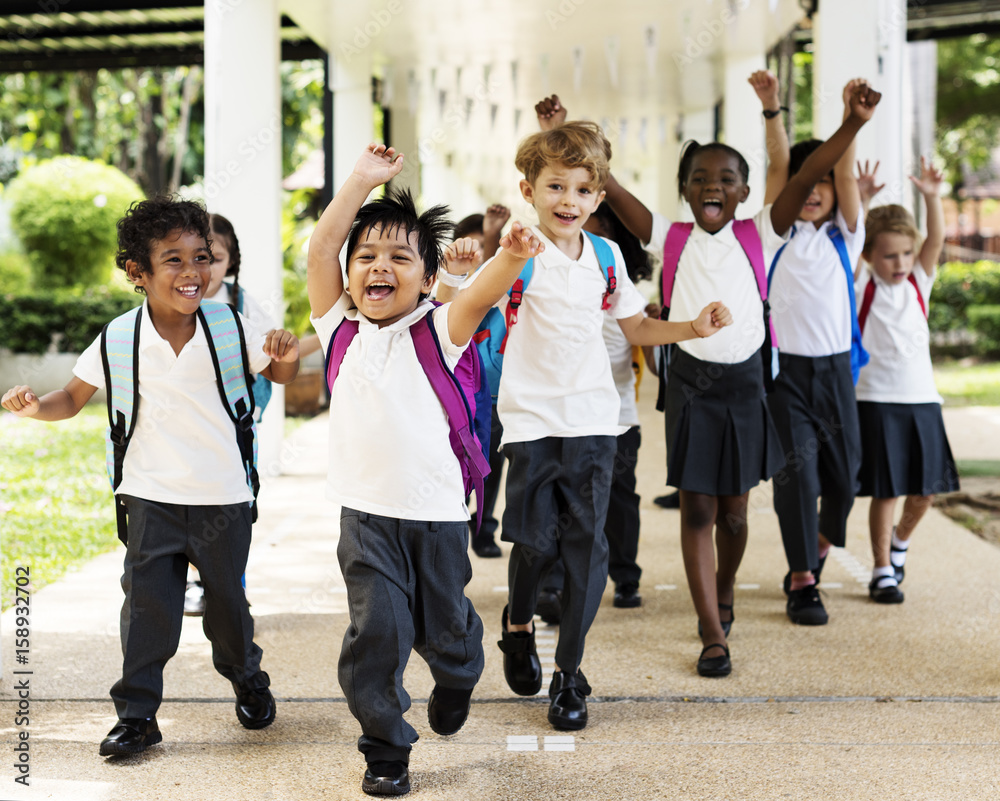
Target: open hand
column 765, row 84
column 551, row 113
column 462, row 256
column 521, row 242
column 281, row 345
column 867, row 181
column 494, row 220
column 930, row 180
column 378, row 164
column 21, row 400
column 712, row 319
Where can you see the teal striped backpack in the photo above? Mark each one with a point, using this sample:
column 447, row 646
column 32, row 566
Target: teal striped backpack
column 120, row 354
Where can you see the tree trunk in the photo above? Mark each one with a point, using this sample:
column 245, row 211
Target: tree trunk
column 192, row 83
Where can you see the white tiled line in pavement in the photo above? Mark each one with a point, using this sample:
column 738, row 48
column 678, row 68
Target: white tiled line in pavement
column 560, row 742
column 551, row 742
column 522, row 742
column 850, row 563
column 545, row 644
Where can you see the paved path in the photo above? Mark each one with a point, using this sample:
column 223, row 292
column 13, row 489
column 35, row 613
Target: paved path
column 881, row 703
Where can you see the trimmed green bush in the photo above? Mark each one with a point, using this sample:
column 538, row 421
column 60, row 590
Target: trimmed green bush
column 27, row 322
column 961, row 286
column 985, row 321
column 65, row 211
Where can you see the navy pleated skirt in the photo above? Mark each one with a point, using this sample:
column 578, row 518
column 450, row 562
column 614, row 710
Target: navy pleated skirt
column 905, row 450
column 721, row 439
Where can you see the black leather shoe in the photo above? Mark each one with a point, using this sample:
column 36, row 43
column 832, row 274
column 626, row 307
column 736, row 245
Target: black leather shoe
column 714, row 667
column 671, row 500
column 521, row 667
column 627, row 596
column 549, row 606
column 786, row 582
column 131, row 736
column 568, row 709
column 486, row 548
column 255, row 707
column 885, row 590
column 448, row 709
column 386, row 778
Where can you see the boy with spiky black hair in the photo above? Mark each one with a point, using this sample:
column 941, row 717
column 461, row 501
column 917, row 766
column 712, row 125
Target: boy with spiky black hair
column 404, row 523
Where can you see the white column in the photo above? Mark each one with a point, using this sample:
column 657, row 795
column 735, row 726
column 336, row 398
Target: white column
column 243, row 161
column 864, row 39
column 743, row 124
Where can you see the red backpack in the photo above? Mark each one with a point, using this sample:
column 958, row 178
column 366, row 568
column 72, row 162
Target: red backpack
column 869, row 296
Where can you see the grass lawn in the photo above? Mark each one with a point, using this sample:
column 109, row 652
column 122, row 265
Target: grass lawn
column 56, row 508
column 969, row 384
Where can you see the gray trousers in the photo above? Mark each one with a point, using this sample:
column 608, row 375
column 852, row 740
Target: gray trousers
column 557, row 502
column 405, row 590
column 162, row 539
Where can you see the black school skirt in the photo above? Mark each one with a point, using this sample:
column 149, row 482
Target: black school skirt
column 721, row 439
column 904, row 450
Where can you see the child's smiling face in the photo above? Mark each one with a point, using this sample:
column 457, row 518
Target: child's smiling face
column 564, row 198
column 819, row 206
column 892, row 257
column 714, row 187
column 386, row 275
column 181, row 268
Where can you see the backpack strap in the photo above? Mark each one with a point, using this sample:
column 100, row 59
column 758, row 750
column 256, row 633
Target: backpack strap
column 516, row 295
column 456, row 407
column 749, row 238
column 606, row 260
column 340, row 341
column 869, row 296
column 228, row 348
column 859, row 356
column 677, row 238
column 120, row 357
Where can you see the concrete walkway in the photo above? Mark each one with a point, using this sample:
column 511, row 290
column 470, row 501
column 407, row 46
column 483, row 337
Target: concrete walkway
column 897, row 702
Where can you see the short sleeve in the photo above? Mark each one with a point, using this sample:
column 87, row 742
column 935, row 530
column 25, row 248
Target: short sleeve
column 925, row 282
column 89, row 368
column 452, row 351
column 770, row 240
column 255, row 339
column 327, row 324
column 256, row 313
column 626, row 300
column 658, row 237
column 864, row 277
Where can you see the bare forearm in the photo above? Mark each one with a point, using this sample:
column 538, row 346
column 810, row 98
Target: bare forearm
column 630, row 210
column 934, row 243
column 56, row 405
column 777, row 157
column 650, row 331
column 282, row 372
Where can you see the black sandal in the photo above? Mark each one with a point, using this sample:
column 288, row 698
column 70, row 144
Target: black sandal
column 714, row 666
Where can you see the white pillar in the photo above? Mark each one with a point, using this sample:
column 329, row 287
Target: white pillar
column 743, row 124
column 243, row 161
column 864, row 39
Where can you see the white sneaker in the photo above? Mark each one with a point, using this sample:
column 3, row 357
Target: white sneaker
column 194, row 599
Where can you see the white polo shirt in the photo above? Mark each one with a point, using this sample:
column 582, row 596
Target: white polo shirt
column 810, row 304
column 390, row 452
column 184, row 448
column 620, row 353
column 252, row 310
column 557, row 379
column 715, row 267
column 897, row 339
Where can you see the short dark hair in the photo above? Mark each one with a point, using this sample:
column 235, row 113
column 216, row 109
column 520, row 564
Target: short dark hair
column 397, row 210
column 799, row 152
column 149, row 221
column 693, row 148
column 637, row 259
column 467, row 226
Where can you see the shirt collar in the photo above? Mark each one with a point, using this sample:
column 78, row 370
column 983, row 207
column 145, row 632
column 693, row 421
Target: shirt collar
column 149, row 337
column 553, row 256
column 724, row 235
column 364, row 324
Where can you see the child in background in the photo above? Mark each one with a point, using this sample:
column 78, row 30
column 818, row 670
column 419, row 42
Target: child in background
column 905, row 451
column 813, row 403
column 225, row 264
column 182, row 474
column 560, row 408
column 403, row 551
column 485, row 229
column 721, row 441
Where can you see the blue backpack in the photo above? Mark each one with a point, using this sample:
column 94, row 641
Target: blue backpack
column 491, row 335
column 859, row 356
column 120, row 355
column 261, row 386
column 464, row 393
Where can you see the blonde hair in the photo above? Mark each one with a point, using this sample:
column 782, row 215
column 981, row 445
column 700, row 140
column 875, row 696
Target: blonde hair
column 575, row 144
column 890, row 219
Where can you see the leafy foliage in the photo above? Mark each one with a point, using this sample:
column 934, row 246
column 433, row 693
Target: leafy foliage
column 960, row 286
column 56, row 507
column 64, row 211
column 985, row 321
column 28, row 322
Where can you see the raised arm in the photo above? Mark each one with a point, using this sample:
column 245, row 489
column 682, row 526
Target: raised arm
column 324, row 279
column 642, row 330
column 788, row 204
column 846, row 185
column 868, row 187
column 765, row 84
column 60, row 404
column 929, row 185
column 460, row 259
column 469, row 308
column 493, row 222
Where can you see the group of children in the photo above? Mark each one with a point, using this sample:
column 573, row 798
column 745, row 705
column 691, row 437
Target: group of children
column 758, row 315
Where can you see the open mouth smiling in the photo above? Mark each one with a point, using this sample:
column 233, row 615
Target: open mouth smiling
column 379, row 290
column 189, row 291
